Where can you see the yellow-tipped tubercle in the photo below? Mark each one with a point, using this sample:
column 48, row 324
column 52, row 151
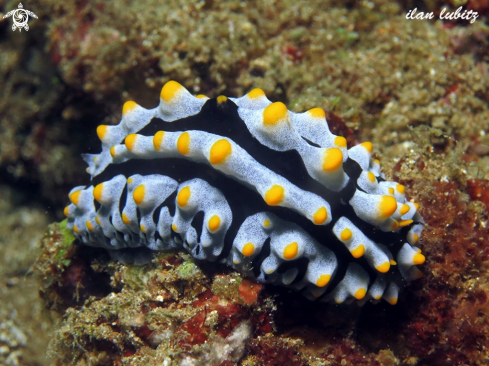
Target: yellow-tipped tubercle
column 333, row 159
column 214, row 223
column 170, row 90
column 274, row 195
column 128, row 107
column 183, row 196
column 320, row 216
column 358, row 251
column 387, row 206
column 384, row 267
column 256, row 93
column 323, row 280
column 290, row 251
column 183, row 143
column 360, row 293
column 419, row 258
column 248, row 249
column 220, row 150
column 275, row 113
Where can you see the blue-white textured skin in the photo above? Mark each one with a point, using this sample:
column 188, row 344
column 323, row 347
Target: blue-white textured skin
column 113, row 227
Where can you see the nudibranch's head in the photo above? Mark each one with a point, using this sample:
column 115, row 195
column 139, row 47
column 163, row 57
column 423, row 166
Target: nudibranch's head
column 247, row 182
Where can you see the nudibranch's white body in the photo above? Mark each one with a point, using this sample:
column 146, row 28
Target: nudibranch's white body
column 220, row 185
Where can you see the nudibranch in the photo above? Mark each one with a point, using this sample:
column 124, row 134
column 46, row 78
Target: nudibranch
column 246, row 182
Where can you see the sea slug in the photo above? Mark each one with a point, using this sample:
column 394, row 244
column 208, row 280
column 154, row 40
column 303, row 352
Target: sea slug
column 243, row 181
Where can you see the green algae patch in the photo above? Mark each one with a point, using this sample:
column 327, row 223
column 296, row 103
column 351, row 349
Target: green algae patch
column 65, row 244
column 227, row 285
column 136, row 277
column 68, row 274
column 188, row 270
column 57, row 245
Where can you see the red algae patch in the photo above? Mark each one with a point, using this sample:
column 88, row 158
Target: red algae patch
column 249, row 290
column 449, row 322
column 478, row 190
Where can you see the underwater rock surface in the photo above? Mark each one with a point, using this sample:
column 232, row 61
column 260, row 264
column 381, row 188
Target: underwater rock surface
column 178, row 311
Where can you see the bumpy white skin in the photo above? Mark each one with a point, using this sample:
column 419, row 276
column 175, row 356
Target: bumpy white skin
column 198, row 195
column 380, row 204
column 288, row 242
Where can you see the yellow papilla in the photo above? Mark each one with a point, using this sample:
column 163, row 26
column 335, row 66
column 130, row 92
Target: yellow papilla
column 138, row 194
column 274, row 195
column 346, row 234
column 128, row 107
column 360, row 294
column 320, row 216
column 248, row 249
column 214, row 223
column 368, row 146
column 317, row 113
column 220, row 150
column 371, row 177
column 89, row 225
column 400, row 188
column 97, row 192
column 183, row 143
column 101, row 131
column 404, row 209
column 170, row 90
column 358, row 251
column 333, row 159
column 266, row 223
column 403, row 223
column 130, row 141
column 290, row 251
column 274, row 113
column 221, row 99
column 66, row 211
column 256, row 93
column 419, row 258
column 158, row 139
column 74, row 197
column 392, row 301
column 387, row 206
column 183, row 196
column 323, row 280
column 384, row 267
column 340, row 141
column 125, row 219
